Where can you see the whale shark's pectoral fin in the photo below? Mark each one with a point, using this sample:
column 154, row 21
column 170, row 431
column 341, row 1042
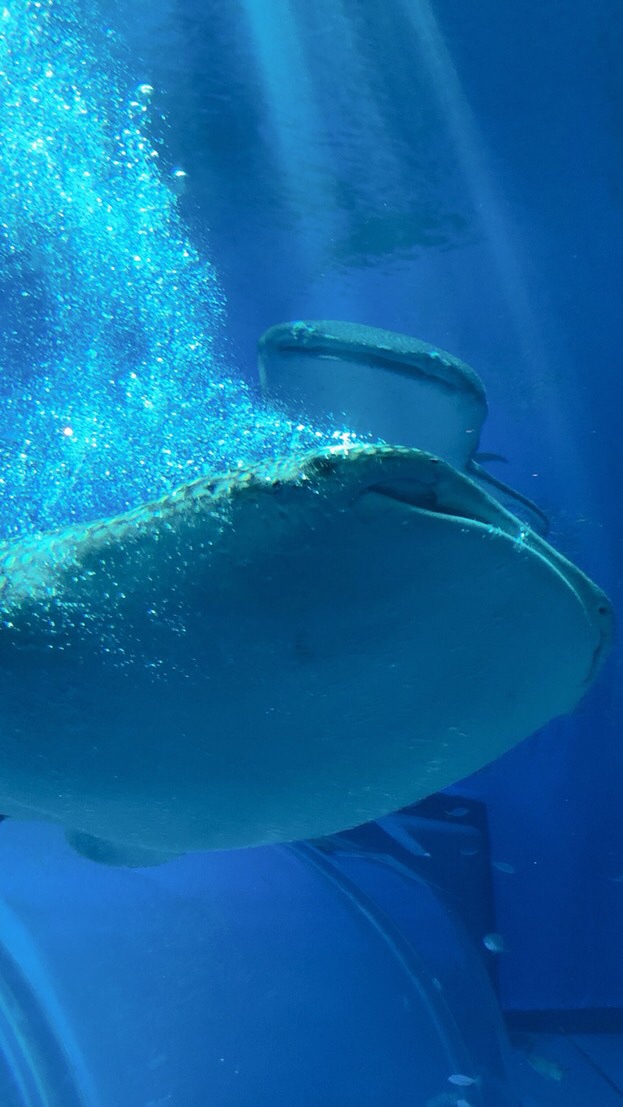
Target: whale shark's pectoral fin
column 487, row 456
column 538, row 520
column 110, row 853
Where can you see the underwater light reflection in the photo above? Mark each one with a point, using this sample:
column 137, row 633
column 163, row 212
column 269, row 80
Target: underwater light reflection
column 290, row 110
column 488, row 202
column 115, row 386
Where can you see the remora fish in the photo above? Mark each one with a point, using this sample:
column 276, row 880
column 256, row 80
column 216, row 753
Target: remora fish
column 279, row 653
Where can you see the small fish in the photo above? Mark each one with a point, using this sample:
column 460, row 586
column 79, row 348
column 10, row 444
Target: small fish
column 546, row 1067
column 398, row 828
column 494, row 943
column 470, row 851
column 458, row 812
column 176, row 182
column 462, row 1081
column 503, row 866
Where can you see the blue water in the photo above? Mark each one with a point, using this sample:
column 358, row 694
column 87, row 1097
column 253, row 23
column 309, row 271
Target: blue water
column 177, row 177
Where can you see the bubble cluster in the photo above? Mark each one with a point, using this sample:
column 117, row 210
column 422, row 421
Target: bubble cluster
column 113, row 383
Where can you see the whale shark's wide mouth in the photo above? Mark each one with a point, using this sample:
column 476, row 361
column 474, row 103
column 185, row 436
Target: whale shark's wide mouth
column 342, row 341
column 441, row 491
column 415, row 493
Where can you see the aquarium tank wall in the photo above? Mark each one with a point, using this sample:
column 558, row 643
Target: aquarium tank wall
column 310, row 547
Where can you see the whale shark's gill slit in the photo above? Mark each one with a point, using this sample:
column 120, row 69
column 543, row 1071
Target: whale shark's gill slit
column 412, row 368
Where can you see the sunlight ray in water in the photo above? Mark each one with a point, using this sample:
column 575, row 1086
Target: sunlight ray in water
column 303, row 162
column 494, row 215
column 445, row 83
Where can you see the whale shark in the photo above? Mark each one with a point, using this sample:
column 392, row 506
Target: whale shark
column 382, row 383
column 280, row 652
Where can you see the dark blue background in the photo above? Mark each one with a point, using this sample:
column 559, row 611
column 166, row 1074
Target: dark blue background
column 346, row 162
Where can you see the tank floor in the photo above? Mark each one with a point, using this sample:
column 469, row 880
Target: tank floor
column 568, row 1070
